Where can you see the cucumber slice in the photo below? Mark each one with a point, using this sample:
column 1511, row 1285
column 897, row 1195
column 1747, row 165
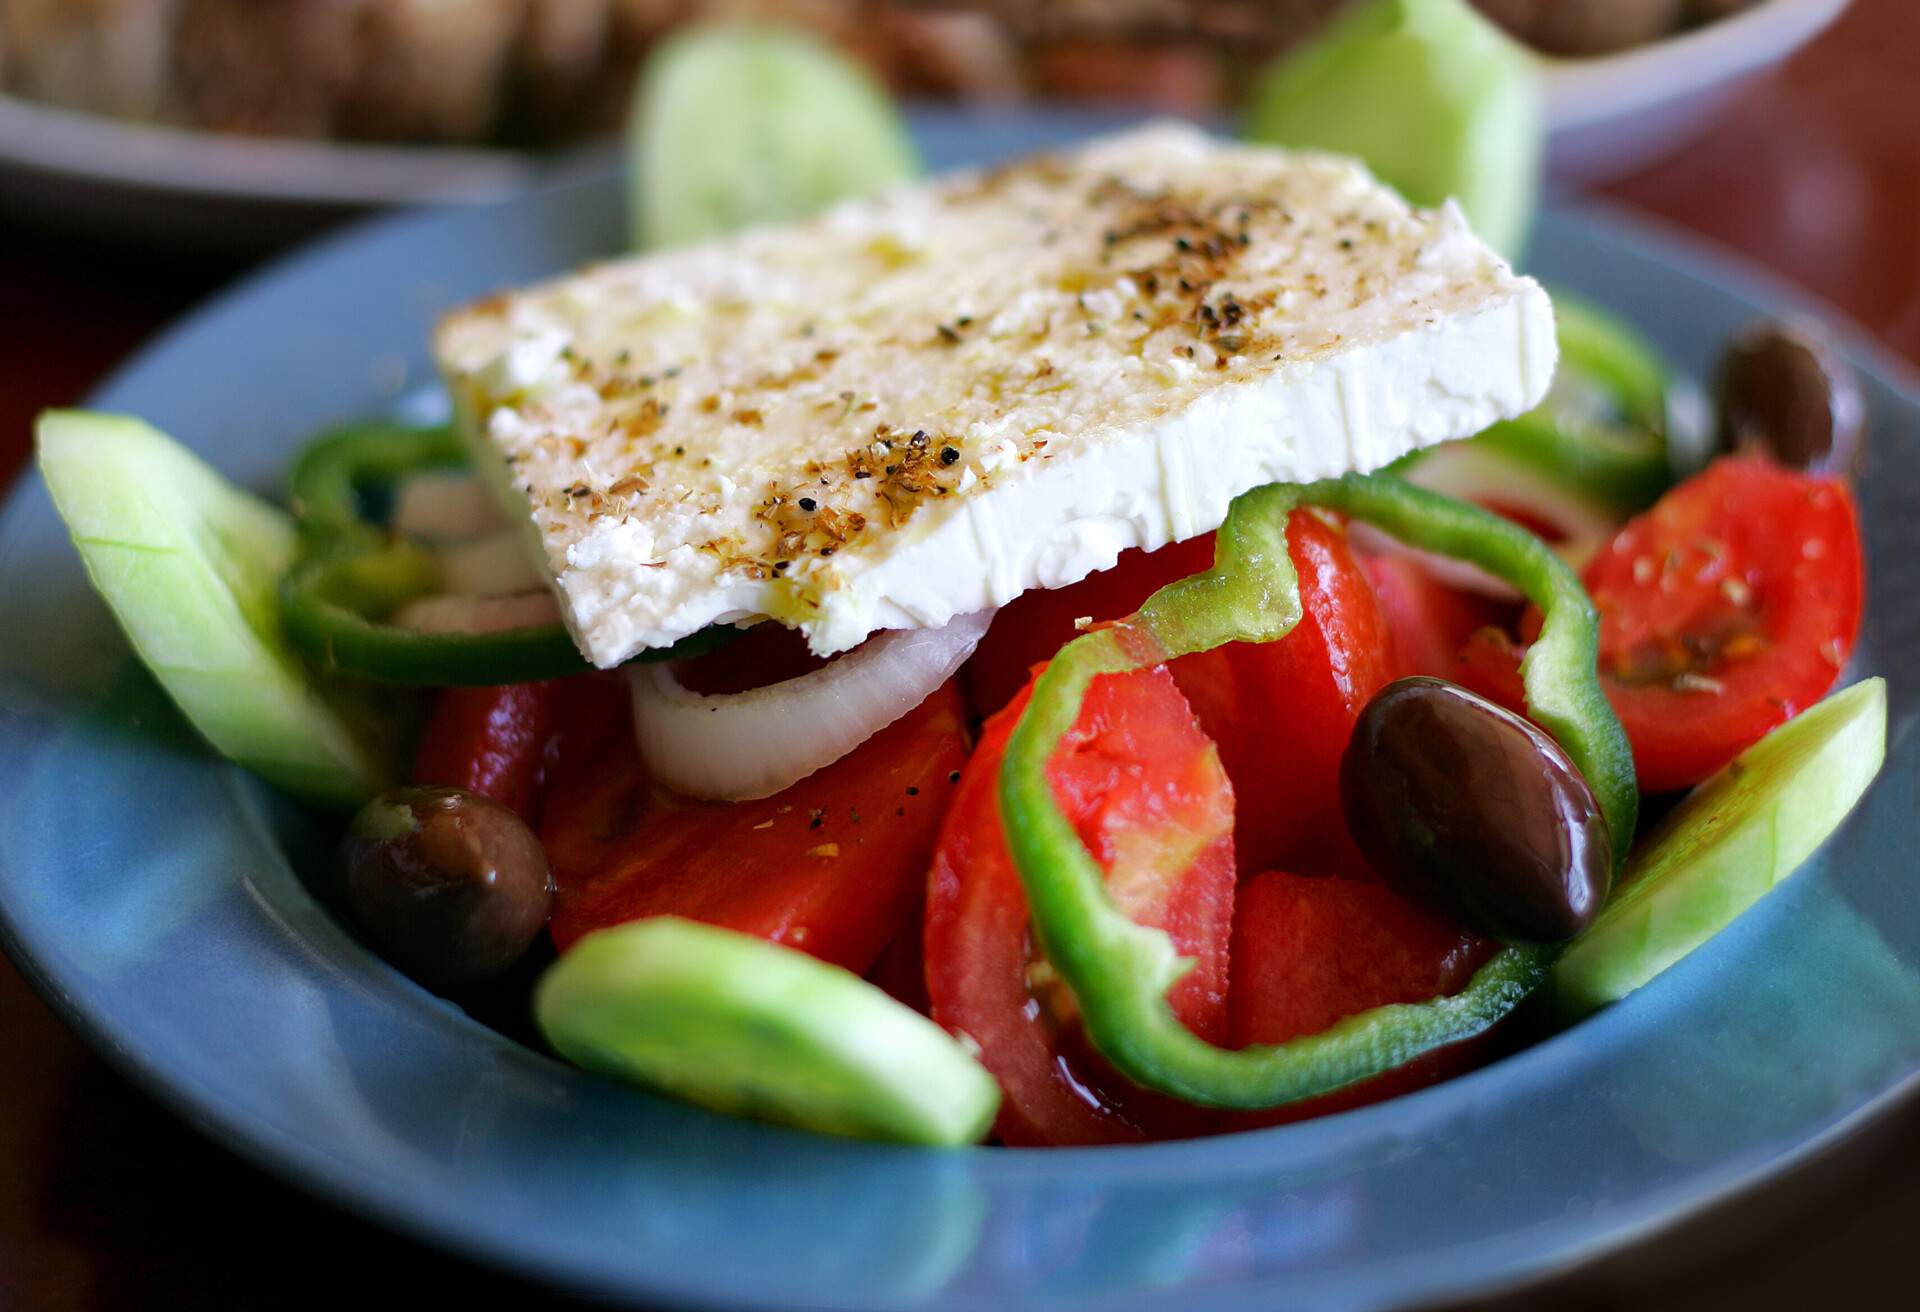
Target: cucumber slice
column 749, row 1028
column 1734, row 837
column 1434, row 98
column 734, row 125
column 189, row 563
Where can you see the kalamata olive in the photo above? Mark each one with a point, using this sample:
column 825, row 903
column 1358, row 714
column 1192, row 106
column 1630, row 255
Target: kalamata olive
column 1464, row 807
column 445, row 884
column 1783, row 390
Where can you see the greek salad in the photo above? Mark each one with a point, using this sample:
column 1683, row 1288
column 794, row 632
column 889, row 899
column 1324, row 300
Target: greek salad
column 1138, row 643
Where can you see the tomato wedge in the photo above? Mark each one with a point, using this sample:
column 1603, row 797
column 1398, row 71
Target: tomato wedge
column 1430, row 621
column 490, row 741
column 901, row 970
column 765, row 654
column 1280, row 712
column 1308, row 952
column 1144, row 787
column 1028, row 630
column 832, row 866
column 1726, row 609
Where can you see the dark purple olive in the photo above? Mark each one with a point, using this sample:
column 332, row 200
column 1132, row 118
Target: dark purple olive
column 449, row 886
column 1784, row 391
column 1467, row 809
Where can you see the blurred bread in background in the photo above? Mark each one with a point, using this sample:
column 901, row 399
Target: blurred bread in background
column 1593, row 27
column 105, row 56
column 534, row 72
column 278, row 69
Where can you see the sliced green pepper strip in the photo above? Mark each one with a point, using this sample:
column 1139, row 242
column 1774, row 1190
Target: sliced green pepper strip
column 353, row 574
column 327, row 605
column 332, row 470
column 326, row 602
column 1119, row 971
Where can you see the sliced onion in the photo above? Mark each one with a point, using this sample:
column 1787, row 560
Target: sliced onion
column 1456, row 574
column 444, row 505
column 460, row 613
column 1473, row 473
column 497, row 565
column 740, row 746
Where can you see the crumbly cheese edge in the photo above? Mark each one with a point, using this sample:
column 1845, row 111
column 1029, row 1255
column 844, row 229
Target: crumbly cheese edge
column 1050, row 523
column 1070, row 517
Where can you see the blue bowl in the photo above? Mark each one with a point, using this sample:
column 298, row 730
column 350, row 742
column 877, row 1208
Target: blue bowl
column 155, row 895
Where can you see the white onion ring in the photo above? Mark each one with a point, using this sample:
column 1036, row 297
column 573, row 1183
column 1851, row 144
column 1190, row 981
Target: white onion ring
column 1445, row 570
column 740, row 746
column 455, row 612
column 444, row 505
column 496, row 565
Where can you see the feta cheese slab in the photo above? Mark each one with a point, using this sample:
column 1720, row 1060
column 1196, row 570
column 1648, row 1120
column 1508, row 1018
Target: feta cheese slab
column 925, row 404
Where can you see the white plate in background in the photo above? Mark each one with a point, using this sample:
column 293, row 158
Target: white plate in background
column 173, row 187
column 180, row 189
column 1612, row 114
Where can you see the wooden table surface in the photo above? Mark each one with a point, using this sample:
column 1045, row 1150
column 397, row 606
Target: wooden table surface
column 107, row 1201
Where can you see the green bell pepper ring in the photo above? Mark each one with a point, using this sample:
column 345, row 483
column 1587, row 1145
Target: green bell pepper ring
column 328, row 605
column 333, row 606
column 1118, row 971
column 332, row 470
column 353, row 573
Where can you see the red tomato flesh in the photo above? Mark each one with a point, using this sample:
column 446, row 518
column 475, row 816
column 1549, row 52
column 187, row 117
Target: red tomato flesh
column 1028, row 630
column 490, row 741
column 901, row 970
column 765, row 654
column 832, row 866
column 1280, row 712
column 1725, row 610
column 1533, row 522
column 1430, row 621
column 1144, row 788
column 1310, row 952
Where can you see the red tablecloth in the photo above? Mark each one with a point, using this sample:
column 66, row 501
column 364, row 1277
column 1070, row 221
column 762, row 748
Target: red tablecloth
column 108, row 1201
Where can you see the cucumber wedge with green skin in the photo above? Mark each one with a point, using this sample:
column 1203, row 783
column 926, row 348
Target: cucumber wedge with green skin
column 189, row 563
column 745, row 1027
column 1730, row 842
column 1434, row 98
column 741, row 124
